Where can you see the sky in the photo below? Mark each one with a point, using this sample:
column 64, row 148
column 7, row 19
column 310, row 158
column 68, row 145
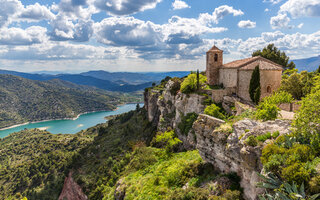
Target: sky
column 150, row 35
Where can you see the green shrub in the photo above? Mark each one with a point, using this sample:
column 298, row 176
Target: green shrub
column 175, row 86
column 314, row 184
column 214, row 111
column 266, row 111
column 264, row 137
column 251, row 141
column 186, row 122
column 189, row 84
column 167, row 140
column 275, row 134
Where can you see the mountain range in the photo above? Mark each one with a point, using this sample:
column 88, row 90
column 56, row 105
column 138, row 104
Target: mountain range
column 308, row 64
column 117, row 81
column 24, row 100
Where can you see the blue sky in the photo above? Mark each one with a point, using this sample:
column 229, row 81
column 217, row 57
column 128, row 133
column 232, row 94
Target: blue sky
column 150, row 35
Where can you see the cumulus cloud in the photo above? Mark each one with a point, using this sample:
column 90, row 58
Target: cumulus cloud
column 222, row 11
column 246, row 24
column 124, row 7
column 178, row 4
column 36, row 12
column 272, row 1
column 280, row 21
column 300, row 25
column 305, row 8
column 18, row 36
column 126, row 31
column 8, row 10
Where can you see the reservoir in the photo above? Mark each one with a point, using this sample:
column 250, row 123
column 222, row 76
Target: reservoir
column 69, row 126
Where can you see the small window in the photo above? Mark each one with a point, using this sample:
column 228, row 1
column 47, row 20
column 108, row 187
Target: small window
column 269, row 89
column 215, row 57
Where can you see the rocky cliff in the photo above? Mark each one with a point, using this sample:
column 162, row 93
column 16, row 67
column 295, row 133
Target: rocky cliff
column 218, row 142
column 226, row 149
column 166, row 108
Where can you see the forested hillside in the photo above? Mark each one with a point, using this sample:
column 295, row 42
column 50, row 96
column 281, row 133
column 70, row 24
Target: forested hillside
column 23, row 100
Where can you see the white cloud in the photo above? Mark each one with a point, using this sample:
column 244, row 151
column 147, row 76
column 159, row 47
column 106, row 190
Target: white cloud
column 246, row 24
column 8, row 9
column 300, row 25
column 36, row 12
column 266, row 10
column 302, row 8
column 272, row 1
column 222, row 11
column 18, row 36
column 272, row 36
column 178, row 4
column 121, row 7
column 280, row 21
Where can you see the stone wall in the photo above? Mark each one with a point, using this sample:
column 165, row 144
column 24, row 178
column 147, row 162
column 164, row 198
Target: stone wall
column 269, row 78
column 228, row 77
column 290, row 107
column 218, row 94
column 212, row 69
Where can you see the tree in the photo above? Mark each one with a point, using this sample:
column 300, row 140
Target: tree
column 274, row 54
column 189, row 84
column 254, row 87
column 198, row 80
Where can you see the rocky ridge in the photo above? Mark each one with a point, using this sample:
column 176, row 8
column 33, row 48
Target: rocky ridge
column 218, row 142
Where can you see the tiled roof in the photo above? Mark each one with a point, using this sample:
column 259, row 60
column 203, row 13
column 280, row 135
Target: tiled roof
column 214, row 48
column 251, row 63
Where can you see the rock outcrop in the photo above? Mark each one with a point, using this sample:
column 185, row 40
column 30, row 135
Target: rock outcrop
column 227, row 151
column 165, row 109
column 71, row 190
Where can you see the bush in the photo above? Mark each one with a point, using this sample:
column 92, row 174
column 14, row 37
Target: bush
column 175, row 86
column 314, row 184
column 189, row 84
column 167, row 140
column 251, row 141
column 266, row 111
column 214, row 111
column 186, row 122
column 264, row 137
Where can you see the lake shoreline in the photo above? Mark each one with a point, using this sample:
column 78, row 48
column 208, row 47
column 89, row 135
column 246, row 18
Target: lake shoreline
column 73, row 118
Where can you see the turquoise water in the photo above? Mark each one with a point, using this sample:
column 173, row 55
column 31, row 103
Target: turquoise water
column 72, row 126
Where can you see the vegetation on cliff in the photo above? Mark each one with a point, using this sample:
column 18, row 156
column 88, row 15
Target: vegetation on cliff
column 23, row 100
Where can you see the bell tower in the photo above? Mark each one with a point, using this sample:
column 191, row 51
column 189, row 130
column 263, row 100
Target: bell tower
column 214, row 62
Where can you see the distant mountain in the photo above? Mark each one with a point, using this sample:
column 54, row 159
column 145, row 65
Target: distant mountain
column 23, row 100
column 83, row 80
column 308, row 64
column 116, row 81
column 133, row 78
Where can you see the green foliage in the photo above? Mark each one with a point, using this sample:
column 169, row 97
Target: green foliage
column 34, row 162
column 251, row 141
column 307, row 121
column 254, row 87
column 23, row 100
column 264, row 137
column 189, row 84
column 279, row 190
column 266, row 111
column 268, row 107
column 168, row 140
column 297, row 84
column 214, row 111
column 186, row 122
column 274, row 54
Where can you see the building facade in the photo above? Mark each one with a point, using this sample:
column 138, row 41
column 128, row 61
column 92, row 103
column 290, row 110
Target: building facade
column 235, row 76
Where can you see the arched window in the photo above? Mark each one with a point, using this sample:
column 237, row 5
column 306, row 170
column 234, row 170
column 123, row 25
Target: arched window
column 269, row 89
column 215, row 57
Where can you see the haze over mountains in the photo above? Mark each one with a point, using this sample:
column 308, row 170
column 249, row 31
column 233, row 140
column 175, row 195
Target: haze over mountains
column 308, row 64
column 118, row 81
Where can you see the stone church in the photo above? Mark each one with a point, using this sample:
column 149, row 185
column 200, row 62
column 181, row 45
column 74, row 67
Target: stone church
column 235, row 76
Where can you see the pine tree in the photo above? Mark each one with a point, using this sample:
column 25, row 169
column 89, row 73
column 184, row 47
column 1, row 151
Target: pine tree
column 254, row 87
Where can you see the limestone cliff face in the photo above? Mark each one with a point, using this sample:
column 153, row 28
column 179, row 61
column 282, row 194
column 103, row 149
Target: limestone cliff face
column 227, row 151
column 165, row 109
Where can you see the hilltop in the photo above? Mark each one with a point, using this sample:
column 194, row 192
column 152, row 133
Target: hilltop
column 23, row 100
